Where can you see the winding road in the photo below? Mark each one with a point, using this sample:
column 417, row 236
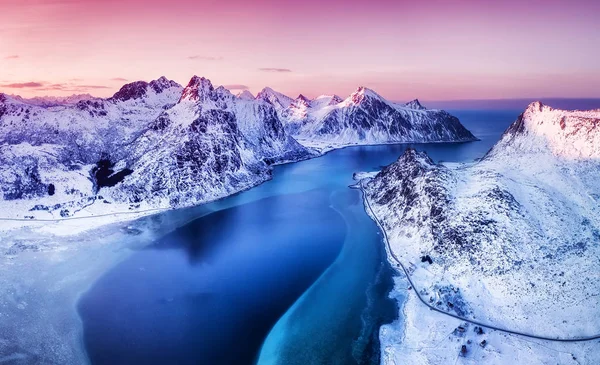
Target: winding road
column 482, row 324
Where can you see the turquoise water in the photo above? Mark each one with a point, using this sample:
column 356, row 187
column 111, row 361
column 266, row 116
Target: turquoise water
column 290, row 272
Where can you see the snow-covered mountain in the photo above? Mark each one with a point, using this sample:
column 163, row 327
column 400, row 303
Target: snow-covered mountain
column 365, row 117
column 512, row 240
column 152, row 144
column 159, row 145
column 210, row 144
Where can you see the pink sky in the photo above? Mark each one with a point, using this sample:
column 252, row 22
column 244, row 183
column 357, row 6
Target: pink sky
column 469, row 49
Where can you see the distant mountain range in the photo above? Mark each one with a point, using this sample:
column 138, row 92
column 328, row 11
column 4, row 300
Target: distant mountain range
column 159, row 144
column 364, row 117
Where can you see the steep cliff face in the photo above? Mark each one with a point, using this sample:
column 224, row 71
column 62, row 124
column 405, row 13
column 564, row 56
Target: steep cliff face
column 516, row 234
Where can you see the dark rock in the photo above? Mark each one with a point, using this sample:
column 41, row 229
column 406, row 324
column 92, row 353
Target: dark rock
column 105, row 176
column 134, row 90
column 426, row 258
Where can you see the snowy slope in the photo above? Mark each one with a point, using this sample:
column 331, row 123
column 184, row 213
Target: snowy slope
column 365, row 117
column 514, row 240
column 151, row 145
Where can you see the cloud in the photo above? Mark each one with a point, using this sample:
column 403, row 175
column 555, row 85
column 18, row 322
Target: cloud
column 236, row 87
column 93, row 87
column 23, row 85
column 12, row 57
column 274, row 69
column 205, row 58
column 76, row 80
column 118, row 79
column 45, row 86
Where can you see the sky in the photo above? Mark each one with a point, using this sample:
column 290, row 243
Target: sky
column 431, row 50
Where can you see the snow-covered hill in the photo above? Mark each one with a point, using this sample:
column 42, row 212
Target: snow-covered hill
column 513, row 240
column 150, row 145
column 365, row 117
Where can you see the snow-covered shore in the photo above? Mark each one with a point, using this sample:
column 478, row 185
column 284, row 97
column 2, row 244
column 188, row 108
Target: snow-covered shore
column 17, row 215
column 44, row 274
column 512, row 240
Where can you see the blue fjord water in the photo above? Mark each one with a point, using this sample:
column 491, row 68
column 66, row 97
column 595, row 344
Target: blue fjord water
column 290, row 272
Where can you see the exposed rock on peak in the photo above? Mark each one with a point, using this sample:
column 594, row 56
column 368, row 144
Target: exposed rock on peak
column 415, row 104
column 133, row 90
column 162, row 83
column 536, row 106
column 198, row 89
column 303, row 98
column 301, row 102
column 361, row 94
column 141, row 89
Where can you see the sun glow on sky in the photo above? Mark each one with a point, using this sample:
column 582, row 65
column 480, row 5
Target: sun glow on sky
column 468, row 49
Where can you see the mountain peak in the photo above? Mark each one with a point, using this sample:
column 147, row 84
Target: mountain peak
column 302, row 101
column 139, row 89
column 415, row 104
column 274, row 97
column 132, row 90
column 361, row 94
column 303, row 98
column 161, row 84
column 335, row 99
column 266, row 92
column 197, row 89
column 537, row 106
column 245, row 95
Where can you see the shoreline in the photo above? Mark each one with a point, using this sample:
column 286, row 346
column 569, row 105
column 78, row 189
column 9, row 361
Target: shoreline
column 121, row 216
